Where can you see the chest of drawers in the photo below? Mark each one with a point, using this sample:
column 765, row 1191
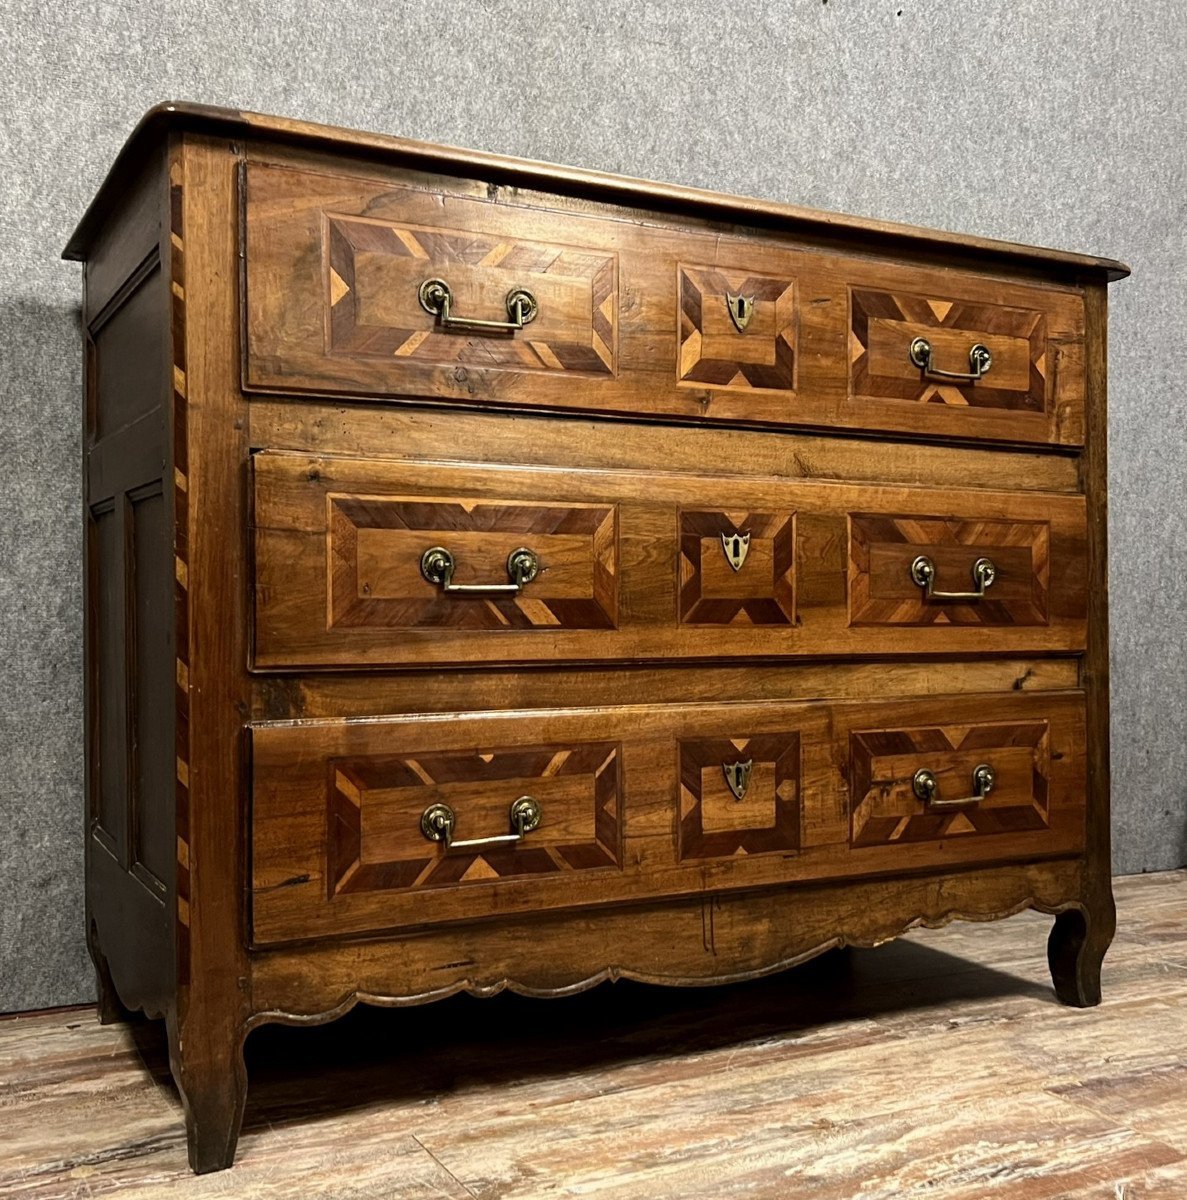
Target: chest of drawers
column 501, row 575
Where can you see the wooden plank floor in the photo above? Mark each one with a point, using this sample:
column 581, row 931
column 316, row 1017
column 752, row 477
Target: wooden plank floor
column 939, row 1066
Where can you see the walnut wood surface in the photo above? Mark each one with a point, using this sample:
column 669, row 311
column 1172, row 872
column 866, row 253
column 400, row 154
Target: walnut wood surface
column 310, row 139
column 632, row 566
column 629, row 797
column 275, row 693
column 633, row 317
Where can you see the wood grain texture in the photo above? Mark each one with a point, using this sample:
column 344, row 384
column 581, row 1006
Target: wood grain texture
column 636, row 540
column 722, row 679
column 1078, row 943
column 334, row 264
column 205, row 1040
column 307, row 137
column 315, row 427
column 876, row 1073
column 820, row 805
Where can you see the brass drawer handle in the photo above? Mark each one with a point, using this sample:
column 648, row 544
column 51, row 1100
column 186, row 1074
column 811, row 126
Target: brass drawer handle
column 980, row 360
column 437, row 565
column 926, row 788
column 923, row 572
column 438, row 820
column 436, row 298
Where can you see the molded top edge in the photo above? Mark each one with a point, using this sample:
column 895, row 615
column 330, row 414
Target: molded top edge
column 171, row 116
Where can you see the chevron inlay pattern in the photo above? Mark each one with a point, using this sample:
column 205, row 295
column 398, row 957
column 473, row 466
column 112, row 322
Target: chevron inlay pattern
column 712, row 351
column 884, row 808
column 588, row 531
column 882, row 548
column 901, row 317
column 761, row 592
column 576, row 329
column 713, row 823
column 408, row 783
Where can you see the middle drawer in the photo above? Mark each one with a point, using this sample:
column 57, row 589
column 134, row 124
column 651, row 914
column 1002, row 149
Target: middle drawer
column 362, row 562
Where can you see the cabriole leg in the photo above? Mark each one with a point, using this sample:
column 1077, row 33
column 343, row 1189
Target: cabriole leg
column 1075, row 952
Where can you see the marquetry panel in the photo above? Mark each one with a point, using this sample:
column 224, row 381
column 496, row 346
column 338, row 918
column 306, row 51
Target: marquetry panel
column 884, row 324
column 760, row 591
column 376, row 801
column 634, row 315
column 882, row 547
column 885, row 810
column 373, row 274
column 640, row 797
column 640, row 566
column 715, row 822
column 376, row 543
column 714, row 351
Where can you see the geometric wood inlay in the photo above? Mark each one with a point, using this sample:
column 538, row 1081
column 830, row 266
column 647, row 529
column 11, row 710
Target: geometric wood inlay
column 885, row 809
column 760, row 592
column 714, row 352
column 714, row 823
column 884, row 325
column 882, row 548
column 374, row 269
column 375, row 804
column 376, row 543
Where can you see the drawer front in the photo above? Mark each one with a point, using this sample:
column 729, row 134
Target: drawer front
column 642, row 802
column 638, row 566
column 633, row 318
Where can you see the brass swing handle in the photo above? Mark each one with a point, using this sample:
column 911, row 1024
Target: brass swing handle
column 927, row 788
column 437, row 298
column 980, row 360
column 923, row 573
column 437, row 823
column 437, row 565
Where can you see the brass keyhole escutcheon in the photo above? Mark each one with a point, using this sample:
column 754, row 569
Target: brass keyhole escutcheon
column 735, row 547
column 737, row 776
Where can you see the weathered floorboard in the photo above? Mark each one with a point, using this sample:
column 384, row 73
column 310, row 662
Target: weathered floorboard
column 939, row 1065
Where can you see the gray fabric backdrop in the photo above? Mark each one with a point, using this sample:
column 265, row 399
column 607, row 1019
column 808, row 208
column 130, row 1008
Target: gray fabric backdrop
column 1060, row 122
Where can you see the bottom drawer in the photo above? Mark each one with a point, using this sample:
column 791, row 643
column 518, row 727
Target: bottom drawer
column 394, row 822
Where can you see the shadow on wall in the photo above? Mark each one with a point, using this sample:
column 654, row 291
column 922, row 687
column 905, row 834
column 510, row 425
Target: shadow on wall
column 42, row 948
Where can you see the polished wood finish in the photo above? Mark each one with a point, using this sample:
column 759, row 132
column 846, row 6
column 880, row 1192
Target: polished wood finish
column 630, row 797
column 870, row 1072
column 334, row 263
column 633, row 567
column 722, row 679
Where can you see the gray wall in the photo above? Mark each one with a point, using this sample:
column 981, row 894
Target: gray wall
column 1059, row 122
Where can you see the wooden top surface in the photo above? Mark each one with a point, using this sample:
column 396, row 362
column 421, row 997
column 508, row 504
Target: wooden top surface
column 884, row 236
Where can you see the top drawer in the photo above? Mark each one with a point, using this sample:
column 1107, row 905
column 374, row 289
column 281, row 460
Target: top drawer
column 358, row 287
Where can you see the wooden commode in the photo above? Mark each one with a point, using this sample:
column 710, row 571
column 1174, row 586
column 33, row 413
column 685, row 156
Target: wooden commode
column 502, row 575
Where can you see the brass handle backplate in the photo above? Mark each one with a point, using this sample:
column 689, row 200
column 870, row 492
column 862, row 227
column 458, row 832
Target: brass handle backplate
column 923, row 573
column 436, row 297
column 437, row 565
column 927, row 788
column 438, row 821
column 980, row 360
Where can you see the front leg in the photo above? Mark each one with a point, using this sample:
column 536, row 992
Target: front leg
column 212, row 1079
column 1075, row 952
